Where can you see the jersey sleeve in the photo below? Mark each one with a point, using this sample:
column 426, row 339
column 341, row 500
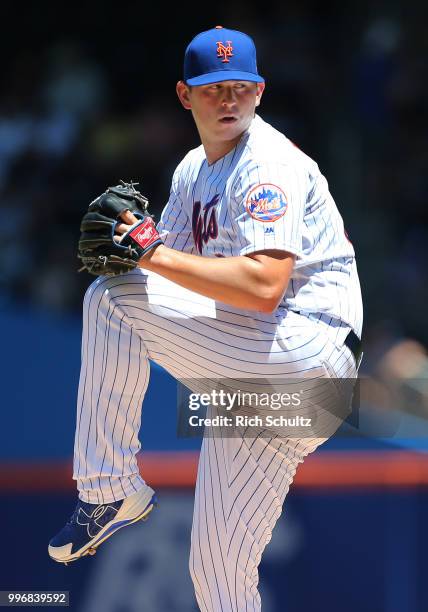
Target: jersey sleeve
column 174, row 225
column 268, row 203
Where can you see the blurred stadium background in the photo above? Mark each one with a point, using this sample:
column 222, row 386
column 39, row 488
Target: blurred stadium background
column 87, row 98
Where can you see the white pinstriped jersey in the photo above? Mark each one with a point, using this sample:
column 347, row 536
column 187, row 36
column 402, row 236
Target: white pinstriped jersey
column 264, row 194
column 267, row 194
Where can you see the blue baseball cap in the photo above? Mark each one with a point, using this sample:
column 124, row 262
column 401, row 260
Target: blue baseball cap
column 220, row 55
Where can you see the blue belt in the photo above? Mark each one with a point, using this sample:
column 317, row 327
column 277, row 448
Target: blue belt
column 355, row 345
column 352, row 341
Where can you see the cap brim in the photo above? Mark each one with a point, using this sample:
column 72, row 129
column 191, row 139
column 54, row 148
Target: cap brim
column 225, row 75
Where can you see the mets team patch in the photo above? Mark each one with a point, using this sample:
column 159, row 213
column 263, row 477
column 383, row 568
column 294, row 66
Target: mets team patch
column 266, row 202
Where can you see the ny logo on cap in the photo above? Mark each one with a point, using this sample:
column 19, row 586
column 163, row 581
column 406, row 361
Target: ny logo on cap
column 224, row 52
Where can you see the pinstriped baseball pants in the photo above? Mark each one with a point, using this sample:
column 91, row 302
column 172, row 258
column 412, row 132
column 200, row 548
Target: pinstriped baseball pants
column 242, row 481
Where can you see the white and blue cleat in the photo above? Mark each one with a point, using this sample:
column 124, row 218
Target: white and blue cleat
column 91, row 524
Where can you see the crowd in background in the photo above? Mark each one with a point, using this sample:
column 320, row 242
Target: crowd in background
column 348, row 86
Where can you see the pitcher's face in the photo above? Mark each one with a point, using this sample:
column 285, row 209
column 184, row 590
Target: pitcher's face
column 222, row 111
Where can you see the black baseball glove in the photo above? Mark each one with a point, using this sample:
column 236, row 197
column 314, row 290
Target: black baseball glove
column 99, row 252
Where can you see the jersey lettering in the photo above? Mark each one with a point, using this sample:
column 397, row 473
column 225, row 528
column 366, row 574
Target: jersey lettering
column 204, row 222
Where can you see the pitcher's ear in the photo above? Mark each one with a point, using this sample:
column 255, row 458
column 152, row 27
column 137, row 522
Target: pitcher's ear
column 183, row 91
column 260, row 90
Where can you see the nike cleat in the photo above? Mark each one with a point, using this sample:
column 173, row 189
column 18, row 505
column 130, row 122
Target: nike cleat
column 91, row 524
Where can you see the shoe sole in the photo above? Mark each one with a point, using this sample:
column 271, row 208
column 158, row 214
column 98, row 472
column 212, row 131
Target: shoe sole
column 107, row 531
